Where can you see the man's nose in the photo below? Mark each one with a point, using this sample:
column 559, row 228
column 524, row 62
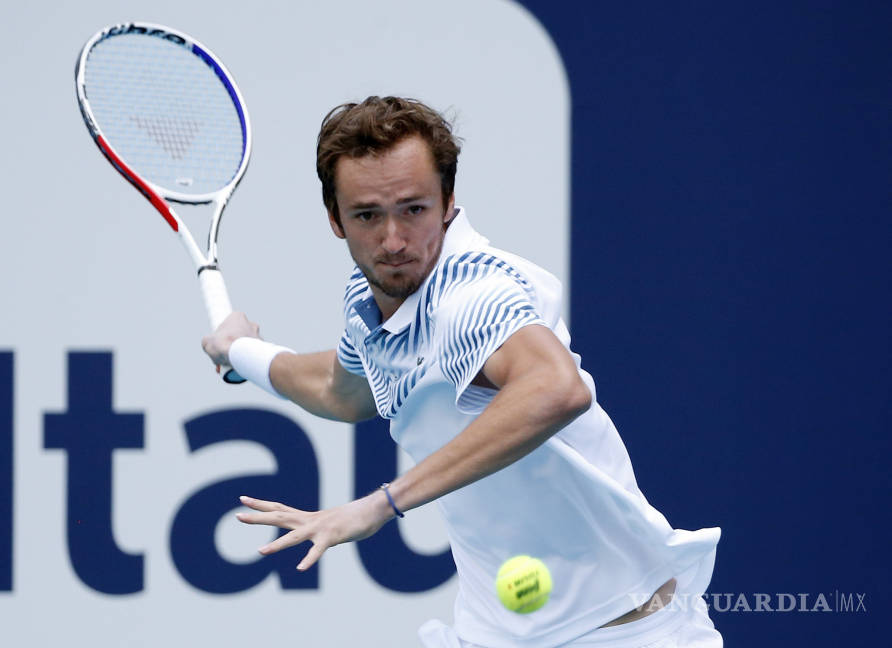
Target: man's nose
column 394, row 238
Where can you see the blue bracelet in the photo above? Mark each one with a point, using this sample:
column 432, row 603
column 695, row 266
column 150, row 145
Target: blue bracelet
column 390, row 499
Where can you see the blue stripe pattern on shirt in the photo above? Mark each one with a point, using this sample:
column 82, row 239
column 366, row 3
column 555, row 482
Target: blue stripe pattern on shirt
column 470, row 305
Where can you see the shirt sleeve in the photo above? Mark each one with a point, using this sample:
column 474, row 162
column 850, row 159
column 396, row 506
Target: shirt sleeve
column 349, row 357
column 473, row 322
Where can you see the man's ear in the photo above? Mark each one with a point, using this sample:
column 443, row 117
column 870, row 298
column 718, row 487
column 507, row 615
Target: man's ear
column 449, row 212
column 335, row 226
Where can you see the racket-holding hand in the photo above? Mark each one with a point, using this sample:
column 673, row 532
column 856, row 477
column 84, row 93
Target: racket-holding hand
column 235, row 326
column 355, row 520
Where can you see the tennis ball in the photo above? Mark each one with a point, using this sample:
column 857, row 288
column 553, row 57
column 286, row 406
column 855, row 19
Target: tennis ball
column 523, row 584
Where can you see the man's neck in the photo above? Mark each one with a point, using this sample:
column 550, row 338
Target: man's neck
column 386, row 304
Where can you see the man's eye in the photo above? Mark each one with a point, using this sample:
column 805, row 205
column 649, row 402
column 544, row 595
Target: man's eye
column 416, row 209
column 365, row 216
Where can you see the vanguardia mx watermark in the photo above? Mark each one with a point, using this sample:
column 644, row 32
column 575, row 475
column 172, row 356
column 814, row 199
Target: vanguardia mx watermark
column 835, row 601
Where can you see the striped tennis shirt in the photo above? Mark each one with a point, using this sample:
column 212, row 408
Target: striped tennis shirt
column 573, row 502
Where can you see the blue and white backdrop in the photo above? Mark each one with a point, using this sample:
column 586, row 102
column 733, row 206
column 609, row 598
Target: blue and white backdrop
column 710, row 182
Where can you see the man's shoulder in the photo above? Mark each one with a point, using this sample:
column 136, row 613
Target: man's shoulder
column 492, row 276
column 469, row 266
column 474, row 269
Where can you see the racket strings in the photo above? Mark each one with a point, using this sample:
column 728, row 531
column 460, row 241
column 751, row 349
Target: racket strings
column 173, row 135
column 165, row 112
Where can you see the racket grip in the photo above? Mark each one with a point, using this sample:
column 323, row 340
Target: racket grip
column 216, row 301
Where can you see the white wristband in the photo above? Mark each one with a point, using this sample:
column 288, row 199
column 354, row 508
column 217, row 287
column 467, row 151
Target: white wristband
column 252, row 357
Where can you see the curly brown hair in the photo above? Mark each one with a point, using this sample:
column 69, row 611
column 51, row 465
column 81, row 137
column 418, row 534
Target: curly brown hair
column 376, row 125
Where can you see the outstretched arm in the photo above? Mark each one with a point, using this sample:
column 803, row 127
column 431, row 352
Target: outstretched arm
column 318, row 383
column 315, row 381
column 540, row 392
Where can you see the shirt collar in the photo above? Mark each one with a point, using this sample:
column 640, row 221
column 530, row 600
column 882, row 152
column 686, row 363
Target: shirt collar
column 460, row 236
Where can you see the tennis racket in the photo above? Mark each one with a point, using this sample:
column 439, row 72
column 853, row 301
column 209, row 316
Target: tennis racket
column 168, row 116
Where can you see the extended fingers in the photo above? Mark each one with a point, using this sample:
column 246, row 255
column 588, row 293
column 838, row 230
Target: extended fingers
column 269, row 519
column 324, row 528
column 269, row 513
column 312, row 556
column 283, row 542
column 263, row 505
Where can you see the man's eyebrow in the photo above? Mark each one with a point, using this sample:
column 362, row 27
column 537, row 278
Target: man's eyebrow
column 374, row 205
column 363, row 205
column 411, row 199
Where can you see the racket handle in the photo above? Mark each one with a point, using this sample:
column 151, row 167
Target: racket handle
column 216, row 301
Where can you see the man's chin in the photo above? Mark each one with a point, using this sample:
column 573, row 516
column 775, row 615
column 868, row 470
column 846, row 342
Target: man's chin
column 394, row 289
column 398, row 291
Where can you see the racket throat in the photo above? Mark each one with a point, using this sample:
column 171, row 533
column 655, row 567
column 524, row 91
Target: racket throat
column 214, row 229
column 209, row 266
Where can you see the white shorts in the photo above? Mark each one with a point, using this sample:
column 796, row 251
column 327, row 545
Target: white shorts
column 675, row 626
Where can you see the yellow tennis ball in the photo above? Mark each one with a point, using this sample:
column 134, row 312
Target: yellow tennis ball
column 523, row 584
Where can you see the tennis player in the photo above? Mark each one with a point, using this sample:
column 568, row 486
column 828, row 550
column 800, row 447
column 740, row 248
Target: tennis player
column 462, row 347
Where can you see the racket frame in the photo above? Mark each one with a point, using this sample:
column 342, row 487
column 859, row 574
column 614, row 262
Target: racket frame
column 211, row 280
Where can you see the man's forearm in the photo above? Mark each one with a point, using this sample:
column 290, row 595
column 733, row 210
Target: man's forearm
column 308, row 379
column 520, row 418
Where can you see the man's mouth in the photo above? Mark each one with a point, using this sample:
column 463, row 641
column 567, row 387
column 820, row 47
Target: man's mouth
column 395, row 263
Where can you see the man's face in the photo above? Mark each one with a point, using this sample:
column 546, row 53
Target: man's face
column 392, row 216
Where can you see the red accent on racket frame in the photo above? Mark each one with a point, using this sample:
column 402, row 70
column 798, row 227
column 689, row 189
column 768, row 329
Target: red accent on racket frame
column 137, row 182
